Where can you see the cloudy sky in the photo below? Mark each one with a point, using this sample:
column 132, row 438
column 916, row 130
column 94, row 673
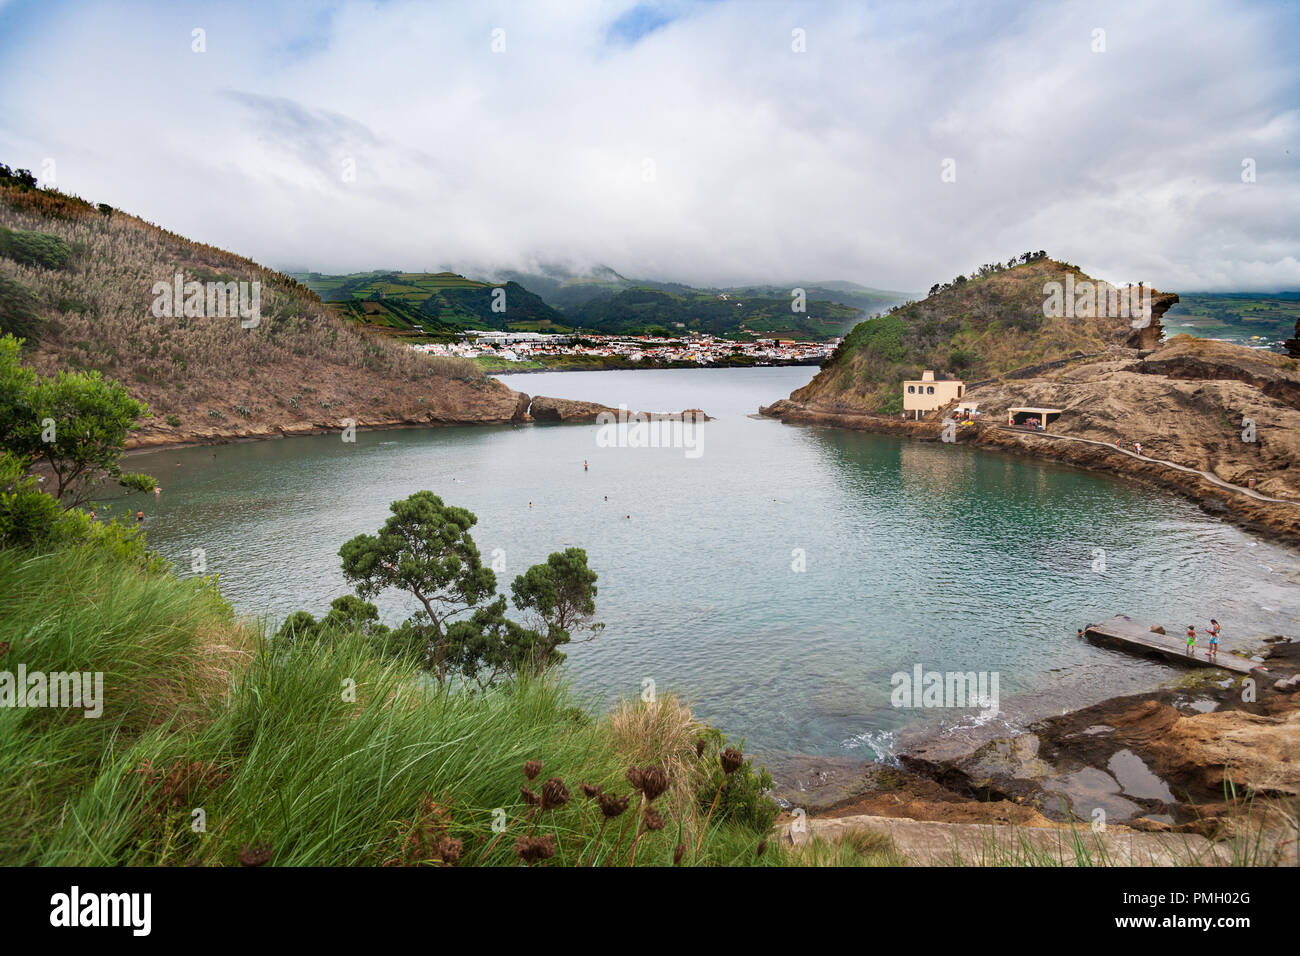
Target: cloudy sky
column 708, row 142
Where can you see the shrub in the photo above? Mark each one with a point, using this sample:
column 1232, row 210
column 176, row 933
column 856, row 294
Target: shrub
column 27, row 514
column 121, row 542
column 739, row 797
column 34, row 248
column 961, row 359
column 17, row 312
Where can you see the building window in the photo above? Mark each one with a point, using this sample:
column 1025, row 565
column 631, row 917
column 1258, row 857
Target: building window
column 929, row 390
column 911, row 389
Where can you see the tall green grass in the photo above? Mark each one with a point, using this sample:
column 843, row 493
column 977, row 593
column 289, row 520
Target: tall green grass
column 313, row 754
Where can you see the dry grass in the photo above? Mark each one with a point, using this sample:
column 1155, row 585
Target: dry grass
column 662, row 732
column 301, row 361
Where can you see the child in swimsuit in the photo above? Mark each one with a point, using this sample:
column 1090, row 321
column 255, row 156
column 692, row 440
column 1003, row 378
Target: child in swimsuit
column 1191, row 641
column 1213, row 651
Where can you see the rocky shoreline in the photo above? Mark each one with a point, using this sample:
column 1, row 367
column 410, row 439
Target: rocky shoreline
column 522, row 409
column 1276, row 521
column 1202, row 755
column 1184, row 405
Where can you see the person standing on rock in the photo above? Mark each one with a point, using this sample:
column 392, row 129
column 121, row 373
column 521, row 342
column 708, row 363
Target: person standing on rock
column 1191, row 641
column 1212, row 653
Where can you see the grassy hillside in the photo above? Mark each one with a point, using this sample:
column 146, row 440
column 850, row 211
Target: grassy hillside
column 77, row 280
column 973, row 328
column 435, row 305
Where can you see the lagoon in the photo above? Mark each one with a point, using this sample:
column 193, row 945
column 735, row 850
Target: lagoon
column 779, row 578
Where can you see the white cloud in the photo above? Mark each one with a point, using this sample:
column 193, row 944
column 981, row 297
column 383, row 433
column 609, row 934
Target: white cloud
column 768, row 164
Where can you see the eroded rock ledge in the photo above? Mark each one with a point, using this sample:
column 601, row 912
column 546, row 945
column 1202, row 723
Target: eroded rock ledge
column 546, row 409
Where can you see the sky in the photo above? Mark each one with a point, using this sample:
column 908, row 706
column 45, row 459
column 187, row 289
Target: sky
column 715, row 143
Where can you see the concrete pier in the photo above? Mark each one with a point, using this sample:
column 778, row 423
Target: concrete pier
column 1126, row 634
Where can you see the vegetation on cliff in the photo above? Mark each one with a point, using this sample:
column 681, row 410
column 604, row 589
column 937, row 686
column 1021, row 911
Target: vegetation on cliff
column 973, row 328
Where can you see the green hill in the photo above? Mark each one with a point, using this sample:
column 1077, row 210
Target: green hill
column 563, row 289
column 971, row 328
column 860, row 297
column 605, row 301
column 437, row 304
column 639, row 308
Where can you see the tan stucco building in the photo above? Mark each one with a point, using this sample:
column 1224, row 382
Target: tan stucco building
column 928, row 394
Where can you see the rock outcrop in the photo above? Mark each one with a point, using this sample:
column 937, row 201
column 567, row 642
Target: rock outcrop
column 547, row 409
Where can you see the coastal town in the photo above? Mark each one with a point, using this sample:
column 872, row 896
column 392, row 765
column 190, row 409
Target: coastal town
column 652, row 349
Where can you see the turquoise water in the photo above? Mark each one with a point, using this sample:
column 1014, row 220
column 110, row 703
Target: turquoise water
column 915, row 553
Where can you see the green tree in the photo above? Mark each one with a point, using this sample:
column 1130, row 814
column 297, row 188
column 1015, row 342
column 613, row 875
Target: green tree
column 489, row 646
column 75, row 424
column 560, row 595
column 84, row 421
column 426, row 550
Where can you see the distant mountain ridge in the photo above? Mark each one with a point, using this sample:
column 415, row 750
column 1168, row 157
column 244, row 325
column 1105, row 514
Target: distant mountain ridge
column 598, row 299
column 565, row 289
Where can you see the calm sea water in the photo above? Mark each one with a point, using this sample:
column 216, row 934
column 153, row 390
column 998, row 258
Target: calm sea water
column 913, row 553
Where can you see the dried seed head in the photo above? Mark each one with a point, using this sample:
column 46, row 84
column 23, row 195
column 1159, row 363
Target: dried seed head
column 554, row 794
column 653, row 821
column 529, row 796
column 654, row 781
column 590, row 790
column 612, row 805
column 532, row 768
column 762, row 847
column 677, row 853
column 4, row 648
column 449, row 850
column 254, row 855
column 633, row 776
column 700, row 744
column 531, row 849
column 731, row 759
